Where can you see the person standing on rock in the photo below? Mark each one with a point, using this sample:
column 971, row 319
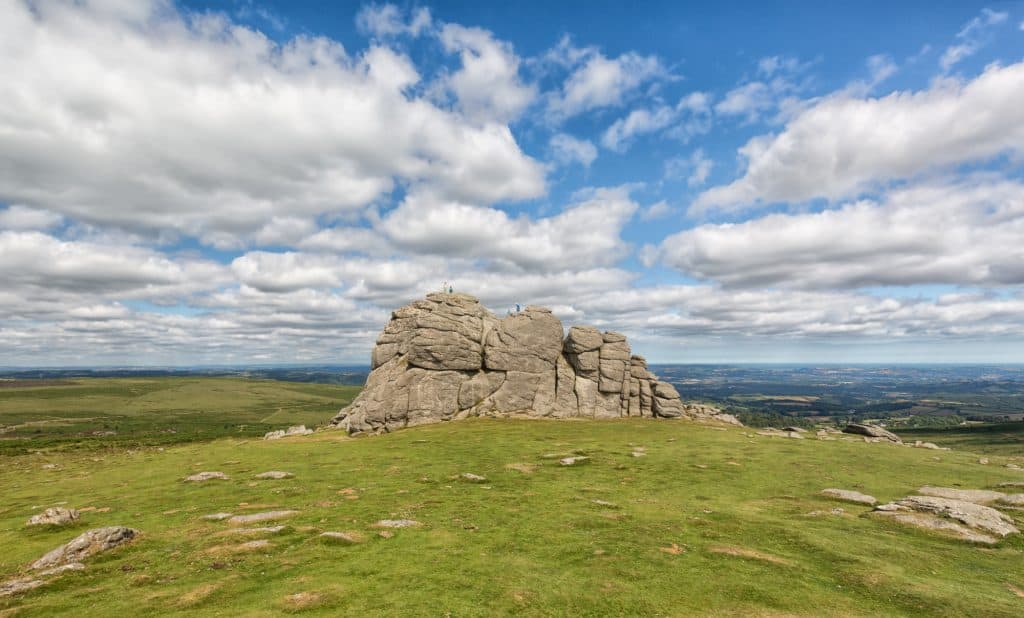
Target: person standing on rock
column 444, row 287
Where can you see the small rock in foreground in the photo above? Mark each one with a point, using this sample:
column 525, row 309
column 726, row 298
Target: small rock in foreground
column 275, row 474
column 55, row 516
column 850, row 496
column 199, row 477
column 85, row 545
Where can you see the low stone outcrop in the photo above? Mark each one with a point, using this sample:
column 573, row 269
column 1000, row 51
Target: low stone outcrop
column 447, row 357
column 965, row 520
column 872, row 431
column 55, row 516
column 85, row 545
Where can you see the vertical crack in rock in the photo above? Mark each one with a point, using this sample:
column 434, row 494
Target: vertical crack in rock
column 447, row 357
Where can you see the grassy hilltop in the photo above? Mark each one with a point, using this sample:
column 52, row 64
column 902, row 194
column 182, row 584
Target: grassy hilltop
column 708, row 521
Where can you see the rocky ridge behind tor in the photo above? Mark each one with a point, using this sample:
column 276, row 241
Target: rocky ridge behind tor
column 447, row 357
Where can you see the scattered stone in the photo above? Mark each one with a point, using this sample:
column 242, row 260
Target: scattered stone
column 274, row 474
column 199, row 477
column 605, row 503
column 54, row 516
column 240, row 520
column 85, row 545
column 930, row 445
column 1013, row 466
column 572, row 461
column 252, row 546
column 472, row 478
column 638, row 454
column 983, row 461
column 217, row 516
column 872, row 431
column 977, row 496
column 849, row 496
column 348, row 538
column 396, row 523
column 50, row 466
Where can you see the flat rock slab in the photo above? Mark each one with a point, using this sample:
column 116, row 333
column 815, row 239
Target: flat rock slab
column 199, row 477
column 396, row 523
column 472, row 478
column 976, row 516
column 24, row 584
column 849, row 496
column 977, row 496
column 928, row 521
column 55, row 516
column 275, row 475
column 298, row 430
column 241, row 520
column 85, row 545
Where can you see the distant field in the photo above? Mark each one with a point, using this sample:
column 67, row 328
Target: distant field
column 107, row 412
column 707, row 522
column 996, row 438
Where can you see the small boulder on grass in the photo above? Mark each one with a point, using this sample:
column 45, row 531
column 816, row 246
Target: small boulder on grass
column 217, row 516
column 55, row 516
column 847, row 495
column 85, row 545
column 275, row 475
column 200, row 477
column 241, row 520
column 396, row 523
column 472, row 478
column 572, row 461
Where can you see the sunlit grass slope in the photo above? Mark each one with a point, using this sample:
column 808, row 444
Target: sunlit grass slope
column 708, row 521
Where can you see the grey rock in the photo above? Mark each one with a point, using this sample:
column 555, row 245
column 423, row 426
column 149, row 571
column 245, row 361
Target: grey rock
column 200, row 477
column 849, row 496
column 871, row 431
column 977, row 496
column 85, row 545
column 275, row 475
column 396, row 523
column 297, row 430
column 976, row 516
column 217, row 516
column 446, row 357
column 55, row 516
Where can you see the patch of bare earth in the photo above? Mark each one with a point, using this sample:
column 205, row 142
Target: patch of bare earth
column 744, row 552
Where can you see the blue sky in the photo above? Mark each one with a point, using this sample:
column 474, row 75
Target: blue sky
column 244, row 181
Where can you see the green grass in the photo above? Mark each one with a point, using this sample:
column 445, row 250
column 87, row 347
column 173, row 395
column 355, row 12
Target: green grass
column 523, row 544
column 150, row 411
column 992, row 438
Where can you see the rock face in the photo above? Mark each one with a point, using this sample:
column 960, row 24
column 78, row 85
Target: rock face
column 447, row 357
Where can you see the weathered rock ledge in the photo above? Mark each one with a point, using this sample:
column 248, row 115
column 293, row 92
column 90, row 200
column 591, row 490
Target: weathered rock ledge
column 447, row 357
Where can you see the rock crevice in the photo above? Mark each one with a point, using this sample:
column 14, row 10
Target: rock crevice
column 447, row 357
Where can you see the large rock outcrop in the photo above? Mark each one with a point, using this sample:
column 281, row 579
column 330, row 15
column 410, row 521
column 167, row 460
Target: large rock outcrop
column 447, row 357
